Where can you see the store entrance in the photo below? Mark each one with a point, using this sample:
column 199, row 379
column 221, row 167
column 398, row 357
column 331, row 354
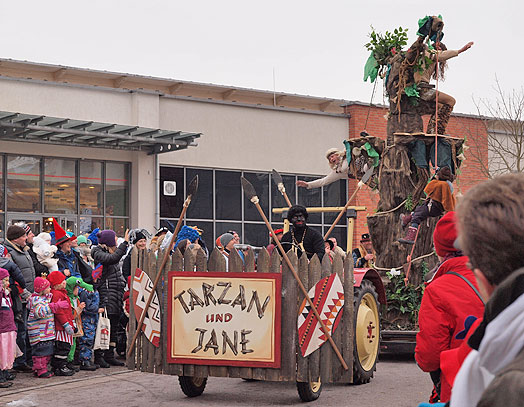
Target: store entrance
column 41, row 223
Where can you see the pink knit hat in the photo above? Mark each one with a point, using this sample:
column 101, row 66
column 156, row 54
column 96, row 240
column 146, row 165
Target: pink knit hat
column 41, row 284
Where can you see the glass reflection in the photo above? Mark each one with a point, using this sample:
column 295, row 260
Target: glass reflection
column 23, row 184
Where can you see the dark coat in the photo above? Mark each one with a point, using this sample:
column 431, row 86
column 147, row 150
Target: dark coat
column 111, row 284
column 39, row 268
column 313, row 242
column 83, row 269
column 23, row 260
column 15, row 275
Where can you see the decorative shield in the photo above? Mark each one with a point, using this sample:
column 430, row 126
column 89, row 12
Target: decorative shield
column 142, row 288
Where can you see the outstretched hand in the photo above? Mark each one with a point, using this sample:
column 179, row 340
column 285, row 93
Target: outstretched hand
column 126, row 236
column 466, row 47
column 302, row 184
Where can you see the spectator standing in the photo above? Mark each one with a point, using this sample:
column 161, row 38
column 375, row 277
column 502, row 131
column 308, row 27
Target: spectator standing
column 491, row 225
column 111, row 288
column 7, row 332
column 40, row 269
column 70, row 263
column 64, row 325
column 15, row 277
column 16, row 245
column 450, row 298
column 41, row 326
column 89, row 323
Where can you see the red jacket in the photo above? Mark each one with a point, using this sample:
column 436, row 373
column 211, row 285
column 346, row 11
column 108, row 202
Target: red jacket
column 62, row 315
column 447, row 302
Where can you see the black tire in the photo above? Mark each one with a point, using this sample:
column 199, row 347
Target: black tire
column 367, row 332
column 309, row 391
column 192, row 386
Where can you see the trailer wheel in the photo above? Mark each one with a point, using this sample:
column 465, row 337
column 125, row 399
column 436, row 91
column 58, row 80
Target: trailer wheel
column 192, row 386
column 367, row 332
column 309, row 391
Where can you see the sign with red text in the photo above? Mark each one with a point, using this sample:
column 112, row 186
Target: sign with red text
column 228, row 319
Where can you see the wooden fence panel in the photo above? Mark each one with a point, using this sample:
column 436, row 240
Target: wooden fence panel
column 314, row 358
column 217, row 262
column 326, row 351
column 337, row 369
column 303, row 362
column 201, row 265
column 289, row 321
column 347, row 323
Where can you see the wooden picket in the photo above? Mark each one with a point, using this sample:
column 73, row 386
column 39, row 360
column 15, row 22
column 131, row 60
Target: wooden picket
column 321, row 364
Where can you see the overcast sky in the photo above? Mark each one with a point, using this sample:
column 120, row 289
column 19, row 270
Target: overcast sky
column 315, row 47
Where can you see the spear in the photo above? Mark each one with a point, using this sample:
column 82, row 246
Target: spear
column 277, row 178
column 251, row 194
column 367, row 175
column 191, row 191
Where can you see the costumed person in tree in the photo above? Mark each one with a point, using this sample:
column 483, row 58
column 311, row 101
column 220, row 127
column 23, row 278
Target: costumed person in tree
column 64, row 325
column 364, row 254
column 339, row 170
column 8, row 348
column 111, row 288
column 300, row 237
column 450, row 303
column 73, row 286
column 440, row 199
column 426, row 69
column 41, row 326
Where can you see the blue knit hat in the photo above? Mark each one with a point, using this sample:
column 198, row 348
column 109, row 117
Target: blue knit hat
column 187, row 232
column 93, row 237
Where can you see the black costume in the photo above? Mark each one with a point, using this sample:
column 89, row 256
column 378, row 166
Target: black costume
column 312, row 240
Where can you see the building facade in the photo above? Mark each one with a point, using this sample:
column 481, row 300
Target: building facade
column 112, row 150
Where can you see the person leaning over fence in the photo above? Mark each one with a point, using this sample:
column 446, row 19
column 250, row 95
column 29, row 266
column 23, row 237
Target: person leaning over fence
column 110, row 287
column 491, row 233
column 450, row 302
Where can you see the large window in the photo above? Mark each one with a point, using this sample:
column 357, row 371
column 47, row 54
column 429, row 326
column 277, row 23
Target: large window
column 23, row 184
column 81, row 194
column 220, row 205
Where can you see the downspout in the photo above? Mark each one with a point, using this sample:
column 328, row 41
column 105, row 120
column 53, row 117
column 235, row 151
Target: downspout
column 157, row 192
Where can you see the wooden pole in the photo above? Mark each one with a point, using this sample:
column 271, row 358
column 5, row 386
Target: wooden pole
column 157, row 278
column 255, row 201
column 344, row 209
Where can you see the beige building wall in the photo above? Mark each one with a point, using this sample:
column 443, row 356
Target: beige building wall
column 234, row 136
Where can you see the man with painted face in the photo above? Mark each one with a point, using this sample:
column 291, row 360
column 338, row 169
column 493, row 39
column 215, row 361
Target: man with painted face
column 300, row 236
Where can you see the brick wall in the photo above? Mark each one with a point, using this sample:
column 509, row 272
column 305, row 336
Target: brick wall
column 459, row 126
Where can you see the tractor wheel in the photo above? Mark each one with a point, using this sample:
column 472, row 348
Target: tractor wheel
column 192, row 386
column 367, row 332
column 309, row 391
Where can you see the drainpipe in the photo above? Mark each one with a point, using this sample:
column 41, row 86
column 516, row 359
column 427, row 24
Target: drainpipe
column 157, row 192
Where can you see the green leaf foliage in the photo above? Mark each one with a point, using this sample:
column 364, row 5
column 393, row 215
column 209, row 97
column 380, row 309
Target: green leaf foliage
column 385, row 45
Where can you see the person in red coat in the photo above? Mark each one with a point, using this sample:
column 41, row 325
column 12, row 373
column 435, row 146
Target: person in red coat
column 64, row 325
column 449, row 299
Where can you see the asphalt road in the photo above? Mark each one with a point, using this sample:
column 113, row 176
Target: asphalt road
column 397, row 382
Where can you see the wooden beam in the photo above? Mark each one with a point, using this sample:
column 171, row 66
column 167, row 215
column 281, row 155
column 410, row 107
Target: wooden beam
column 280, row 98
column 324, row 105
column 57, row 75
column 118, row 82
column 175, row 88
column 227, row 94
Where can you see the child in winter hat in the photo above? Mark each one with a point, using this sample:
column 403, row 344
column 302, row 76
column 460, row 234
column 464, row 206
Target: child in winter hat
column 8, row 348
column 41, row 326
column 64, row 325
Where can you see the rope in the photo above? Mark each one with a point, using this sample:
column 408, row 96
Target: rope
column 370, row 104
column 402, row 79
column 399, row 267
column 391, row 210
column 437, row 46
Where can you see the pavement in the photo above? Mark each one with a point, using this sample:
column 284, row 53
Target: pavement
column 397, row 382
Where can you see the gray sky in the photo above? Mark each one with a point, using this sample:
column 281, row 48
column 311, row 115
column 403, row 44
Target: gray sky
column 315, row 47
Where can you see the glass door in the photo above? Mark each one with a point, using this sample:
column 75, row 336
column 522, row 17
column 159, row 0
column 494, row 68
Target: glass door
column 34, row 221
column 68, row 223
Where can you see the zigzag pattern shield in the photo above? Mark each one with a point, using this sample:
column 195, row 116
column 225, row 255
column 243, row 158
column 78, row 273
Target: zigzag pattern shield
column 142, row 287
column 328, row 297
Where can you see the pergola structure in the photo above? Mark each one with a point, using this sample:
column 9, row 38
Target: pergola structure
column 53, row 130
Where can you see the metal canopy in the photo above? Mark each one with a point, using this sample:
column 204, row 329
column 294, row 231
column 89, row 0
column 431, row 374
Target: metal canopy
column 70, row 132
